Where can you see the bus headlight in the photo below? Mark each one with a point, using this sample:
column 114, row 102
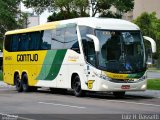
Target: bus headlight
column 142, row 78
column 143, row 87
column 104, row 86
column 104, row 77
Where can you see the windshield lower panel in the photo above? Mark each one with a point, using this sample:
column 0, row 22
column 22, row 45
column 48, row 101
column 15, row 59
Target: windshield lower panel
column 121, row 51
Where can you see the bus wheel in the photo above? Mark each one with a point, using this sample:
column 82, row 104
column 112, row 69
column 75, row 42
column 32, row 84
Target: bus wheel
column 119, row 94
column 77, row 87
column 18, row 83
column 25, row 86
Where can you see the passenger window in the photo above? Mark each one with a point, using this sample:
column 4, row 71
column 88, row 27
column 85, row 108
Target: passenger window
column 58, row 38
column 8, row 43
column 71, row 39
column 47, row 36
column 15, row 42
column 23, row 42
column 34, row 41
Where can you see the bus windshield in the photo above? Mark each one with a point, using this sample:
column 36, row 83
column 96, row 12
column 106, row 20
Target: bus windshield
column 121, row 51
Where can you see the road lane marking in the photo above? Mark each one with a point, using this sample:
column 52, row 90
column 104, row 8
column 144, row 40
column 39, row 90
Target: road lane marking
column 63, row 105
column 155, row 105
column 14, row 117
column 23, row 118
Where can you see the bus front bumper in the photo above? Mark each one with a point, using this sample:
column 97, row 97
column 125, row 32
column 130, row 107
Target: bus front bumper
column 111, row 86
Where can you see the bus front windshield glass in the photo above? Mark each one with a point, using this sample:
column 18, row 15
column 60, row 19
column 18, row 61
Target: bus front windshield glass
column 121, row 51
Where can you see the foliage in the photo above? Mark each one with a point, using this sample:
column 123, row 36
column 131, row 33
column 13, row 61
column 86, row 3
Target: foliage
column 1, row 75
column 23, row 20
column 64, row 9
column 64, row 15
column 150, row 26
column 153, row 84
column 66, row 6
column 9, row 13
column 110, row 14
column 103, row 6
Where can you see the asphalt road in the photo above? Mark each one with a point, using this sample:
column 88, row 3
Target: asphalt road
column 44, row 105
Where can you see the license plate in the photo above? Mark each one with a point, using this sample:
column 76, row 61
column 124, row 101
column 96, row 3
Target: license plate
column 125, row 87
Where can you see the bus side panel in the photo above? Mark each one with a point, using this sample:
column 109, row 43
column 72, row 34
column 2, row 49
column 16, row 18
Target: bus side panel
column 8, row 78
column 62, row 78
column 74, row 63
column 50, row 70
column 31, row 71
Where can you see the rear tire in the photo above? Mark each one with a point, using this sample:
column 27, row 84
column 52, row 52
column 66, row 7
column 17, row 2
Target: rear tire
column 78, row 92
column 25, row 86
column 18, row 83
column 120, row 94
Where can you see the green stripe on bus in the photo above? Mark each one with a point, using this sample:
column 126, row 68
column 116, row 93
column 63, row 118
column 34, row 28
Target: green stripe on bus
column 52, row 64
column 136, row 75
column 56, row 65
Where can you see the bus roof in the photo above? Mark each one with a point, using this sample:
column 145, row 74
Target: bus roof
column 97, row 23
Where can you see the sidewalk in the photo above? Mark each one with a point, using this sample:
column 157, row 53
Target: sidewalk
column 4, row 85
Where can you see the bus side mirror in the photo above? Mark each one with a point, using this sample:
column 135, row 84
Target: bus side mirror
column 96, row 42
column 153, row 43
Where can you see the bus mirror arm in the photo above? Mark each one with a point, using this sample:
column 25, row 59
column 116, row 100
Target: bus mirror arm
column 153, row 43
column 96, row 42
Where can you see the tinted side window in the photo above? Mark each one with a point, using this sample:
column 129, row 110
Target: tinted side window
column 23, row 42
column 34, row 40
column 84, row 30
column 15, row 42
column 46, row 40
column 58, row 38
column 71, row 39
column 8, row 42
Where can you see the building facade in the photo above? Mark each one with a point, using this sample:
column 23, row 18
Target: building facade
column 33, row 20
column 141, row 6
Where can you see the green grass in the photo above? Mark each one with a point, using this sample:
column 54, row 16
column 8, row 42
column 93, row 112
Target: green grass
column 153, row 84
column 1, row 76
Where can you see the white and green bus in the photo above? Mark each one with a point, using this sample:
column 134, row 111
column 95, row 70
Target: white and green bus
column 83, row 54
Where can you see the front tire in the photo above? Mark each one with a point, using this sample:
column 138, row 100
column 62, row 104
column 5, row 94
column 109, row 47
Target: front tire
column 78, row 92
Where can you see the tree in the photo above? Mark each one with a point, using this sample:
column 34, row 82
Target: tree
column 66, row 6
column 9, row 13
column 150, row 26
column 60, row 16
column 103, row 7
column 79, row 8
